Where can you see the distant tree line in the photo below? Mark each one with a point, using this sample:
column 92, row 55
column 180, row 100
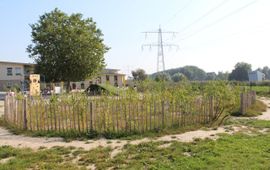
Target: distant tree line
column 193, row 73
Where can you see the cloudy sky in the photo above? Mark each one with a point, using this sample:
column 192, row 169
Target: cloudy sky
column 212, row 34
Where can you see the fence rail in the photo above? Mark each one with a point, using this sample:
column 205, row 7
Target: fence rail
column 113, row 116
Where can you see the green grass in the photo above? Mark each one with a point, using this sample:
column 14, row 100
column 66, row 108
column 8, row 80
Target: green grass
column 260, row 90
column 261, row 124
column 229, row 152
column 237, row 151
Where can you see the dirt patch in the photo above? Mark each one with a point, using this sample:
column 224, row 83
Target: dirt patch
column 265, row 115
column 35, row 143
column 5, row 160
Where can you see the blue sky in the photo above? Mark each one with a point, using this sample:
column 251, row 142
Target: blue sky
column 212, row 34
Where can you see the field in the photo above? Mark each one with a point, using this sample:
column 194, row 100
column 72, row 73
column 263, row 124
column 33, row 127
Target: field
column 260, row 90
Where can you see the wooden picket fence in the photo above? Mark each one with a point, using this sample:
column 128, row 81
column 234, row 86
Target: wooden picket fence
column 247, row 99
column 114, row 116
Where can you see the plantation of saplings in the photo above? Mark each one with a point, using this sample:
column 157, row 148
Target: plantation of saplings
column 152, row 107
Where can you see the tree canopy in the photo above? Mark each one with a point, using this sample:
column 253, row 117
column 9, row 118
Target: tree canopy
column 240, row 72
column 177, row 77
column 191, row 72
column 67, row 47
column 266, row 71
column 139, row 75
column 162, row 76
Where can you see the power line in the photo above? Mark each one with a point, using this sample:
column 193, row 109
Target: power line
column 160, row 46
column 178, row 12
column 204, row 15
column 221, row 19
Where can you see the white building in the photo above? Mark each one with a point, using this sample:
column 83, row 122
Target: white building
column 256, row 76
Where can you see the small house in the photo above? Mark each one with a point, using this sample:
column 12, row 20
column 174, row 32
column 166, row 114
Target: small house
column 256, row 76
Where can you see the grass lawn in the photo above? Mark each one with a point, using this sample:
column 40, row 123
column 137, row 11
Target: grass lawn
column 238, row 151
column 260, row 90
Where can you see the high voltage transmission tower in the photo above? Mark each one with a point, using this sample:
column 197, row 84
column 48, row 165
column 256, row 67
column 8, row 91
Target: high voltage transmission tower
column 160, row 46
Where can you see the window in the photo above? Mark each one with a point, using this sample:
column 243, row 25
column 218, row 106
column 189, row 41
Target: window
column 9, row 84
column 115, row 78
column 18, row 71
column 73, row 86
column 9, row 71
column 107, row 78
column 82, row 85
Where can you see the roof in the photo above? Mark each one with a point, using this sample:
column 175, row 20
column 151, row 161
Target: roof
column 256, row 72
column 11, row 62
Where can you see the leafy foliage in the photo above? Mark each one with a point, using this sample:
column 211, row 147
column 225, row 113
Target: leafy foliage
column 266, row 71
column 163, row 76
column 66, row 47
column 191, row 72
column 179, row 77
column 240, row 72
column 139, row 75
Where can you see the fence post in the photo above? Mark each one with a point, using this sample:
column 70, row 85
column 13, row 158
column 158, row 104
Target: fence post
column 5, row 108
column 91, row 116
column 211, row 113
column 24, row 113
column 163, row 114
column 242, row 109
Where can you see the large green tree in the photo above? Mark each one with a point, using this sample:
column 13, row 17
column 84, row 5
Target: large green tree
column 240, row 72
column 139, row 75
column 266, row 71
column 67, row 47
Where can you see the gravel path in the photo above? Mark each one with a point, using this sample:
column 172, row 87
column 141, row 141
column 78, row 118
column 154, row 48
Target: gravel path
column 6, row 138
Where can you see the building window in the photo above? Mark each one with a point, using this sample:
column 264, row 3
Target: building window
column 9, row 71
column 115, row 78
column 82, row 85
column 9, row 84
column 73, row 86
column 18, row 71
column 107, row 78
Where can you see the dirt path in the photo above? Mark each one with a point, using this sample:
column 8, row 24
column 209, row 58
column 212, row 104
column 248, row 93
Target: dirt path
column 265, row 115
column 6, row 138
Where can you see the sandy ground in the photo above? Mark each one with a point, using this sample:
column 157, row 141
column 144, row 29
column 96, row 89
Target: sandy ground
column 265, row 115
column 6, row 138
